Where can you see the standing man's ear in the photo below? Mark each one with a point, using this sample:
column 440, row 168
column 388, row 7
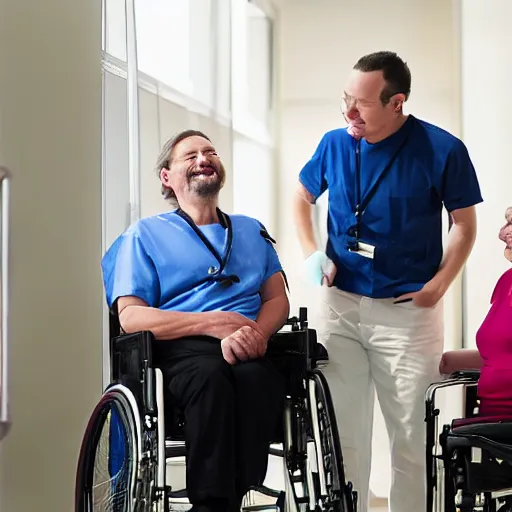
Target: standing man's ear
column 398, row 102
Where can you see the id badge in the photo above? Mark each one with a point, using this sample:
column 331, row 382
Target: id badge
column 365, row 250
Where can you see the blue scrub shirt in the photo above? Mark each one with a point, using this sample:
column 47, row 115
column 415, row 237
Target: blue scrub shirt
column 162, row 261
column 403, row 220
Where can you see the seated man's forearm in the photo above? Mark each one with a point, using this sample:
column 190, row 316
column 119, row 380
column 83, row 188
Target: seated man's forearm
column 273, row 315
column 275, row 306
column 165, row 325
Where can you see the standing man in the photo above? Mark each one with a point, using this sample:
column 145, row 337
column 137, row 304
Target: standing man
column 389, row 175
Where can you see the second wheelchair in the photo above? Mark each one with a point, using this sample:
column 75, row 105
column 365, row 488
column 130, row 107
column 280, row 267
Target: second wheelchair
column 469, row 460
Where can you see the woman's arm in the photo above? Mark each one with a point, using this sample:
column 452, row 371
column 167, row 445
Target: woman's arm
column 463, row 359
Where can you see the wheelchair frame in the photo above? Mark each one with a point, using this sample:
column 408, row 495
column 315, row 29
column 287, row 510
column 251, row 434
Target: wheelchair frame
column 447, row 453
column 310, row 442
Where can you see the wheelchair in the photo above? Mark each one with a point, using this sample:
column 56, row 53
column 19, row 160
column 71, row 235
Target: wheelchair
column 133, row 478
column 469, row 462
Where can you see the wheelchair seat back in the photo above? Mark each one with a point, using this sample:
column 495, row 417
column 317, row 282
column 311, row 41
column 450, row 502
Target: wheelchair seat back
column 294, row 353
column 131, row 364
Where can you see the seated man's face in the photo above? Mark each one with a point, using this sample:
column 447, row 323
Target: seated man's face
column 195, row 169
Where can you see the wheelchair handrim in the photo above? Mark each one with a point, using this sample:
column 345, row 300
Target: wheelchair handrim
column 86, row 466
column 340, row 493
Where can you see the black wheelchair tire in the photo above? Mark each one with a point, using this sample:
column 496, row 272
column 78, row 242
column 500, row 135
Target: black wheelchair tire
column 341, row 498
column 86, row 460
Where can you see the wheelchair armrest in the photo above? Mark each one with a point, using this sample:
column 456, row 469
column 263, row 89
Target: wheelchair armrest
column 321, row 355
column 288, row 342
column 470, row 374
column 131, row 364
column 458, row 378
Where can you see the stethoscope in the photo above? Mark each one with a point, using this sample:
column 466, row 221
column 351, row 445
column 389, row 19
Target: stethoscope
column 215, row 273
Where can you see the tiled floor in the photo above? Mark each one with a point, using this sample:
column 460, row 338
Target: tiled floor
column 379, row 505
column 275, row 480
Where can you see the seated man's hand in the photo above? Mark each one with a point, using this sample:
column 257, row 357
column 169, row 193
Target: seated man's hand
column 224, row 323
column 246, row 343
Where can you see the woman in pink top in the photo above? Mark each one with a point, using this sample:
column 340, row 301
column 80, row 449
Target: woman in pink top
column 494, row 342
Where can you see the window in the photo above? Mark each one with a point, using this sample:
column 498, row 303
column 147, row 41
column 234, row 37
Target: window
column 174, row 44
column 222, row 57
column 114, row 28
column 251, row 70
column 259, row 72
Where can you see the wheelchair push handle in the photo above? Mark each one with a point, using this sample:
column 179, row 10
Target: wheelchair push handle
column 300, row 322
column 5, row 176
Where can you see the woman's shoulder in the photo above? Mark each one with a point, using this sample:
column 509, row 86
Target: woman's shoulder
column 503, row 286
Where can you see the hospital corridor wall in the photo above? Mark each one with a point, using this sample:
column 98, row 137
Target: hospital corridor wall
column 278, row 69
column 50, row 138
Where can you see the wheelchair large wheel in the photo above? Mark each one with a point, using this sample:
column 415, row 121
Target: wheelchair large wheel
column 333, row 494
column 109, row 456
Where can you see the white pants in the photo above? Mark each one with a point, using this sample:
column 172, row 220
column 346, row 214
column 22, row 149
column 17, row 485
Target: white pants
column 394, row 349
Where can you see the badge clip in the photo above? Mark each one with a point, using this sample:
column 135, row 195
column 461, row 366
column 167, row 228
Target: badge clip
column 365, row 250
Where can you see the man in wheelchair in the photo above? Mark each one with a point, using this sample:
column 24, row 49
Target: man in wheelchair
column 211, row 289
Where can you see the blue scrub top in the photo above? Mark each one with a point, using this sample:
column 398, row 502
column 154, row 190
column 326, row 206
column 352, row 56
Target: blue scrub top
column 163, row 261
column 403, row 219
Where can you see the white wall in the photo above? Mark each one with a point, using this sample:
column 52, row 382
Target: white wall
column 50, row 136
column 487, row 75
column 159, row 120
column 319, row 42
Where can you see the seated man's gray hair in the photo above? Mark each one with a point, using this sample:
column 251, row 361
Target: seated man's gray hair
column 165, row 157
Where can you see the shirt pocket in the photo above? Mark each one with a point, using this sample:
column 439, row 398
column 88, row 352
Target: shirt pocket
column 410, row 217
column 403, row 250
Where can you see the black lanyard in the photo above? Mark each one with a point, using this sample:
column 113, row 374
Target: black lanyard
column 362, row 202
column 215, row 273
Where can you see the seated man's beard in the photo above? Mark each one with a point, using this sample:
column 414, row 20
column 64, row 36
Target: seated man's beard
column 209, row 187
column 206, row 189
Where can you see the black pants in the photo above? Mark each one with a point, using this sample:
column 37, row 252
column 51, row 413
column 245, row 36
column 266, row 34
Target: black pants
column 231, row 417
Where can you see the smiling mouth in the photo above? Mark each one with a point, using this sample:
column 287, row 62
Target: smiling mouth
column 206, row 172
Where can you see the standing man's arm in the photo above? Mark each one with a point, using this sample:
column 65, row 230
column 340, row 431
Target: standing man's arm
column 303, row 203
column 460, row 243
column 319, row 268
column 460, row 192
column 312, row 184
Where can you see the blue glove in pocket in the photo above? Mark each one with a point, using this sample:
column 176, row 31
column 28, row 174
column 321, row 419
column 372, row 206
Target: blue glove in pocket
column 313, row 267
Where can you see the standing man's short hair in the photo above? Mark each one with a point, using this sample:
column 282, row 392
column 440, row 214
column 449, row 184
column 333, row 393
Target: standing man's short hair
column 396, row 72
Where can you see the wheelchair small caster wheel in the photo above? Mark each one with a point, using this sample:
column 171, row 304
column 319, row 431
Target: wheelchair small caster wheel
column 467, row 504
